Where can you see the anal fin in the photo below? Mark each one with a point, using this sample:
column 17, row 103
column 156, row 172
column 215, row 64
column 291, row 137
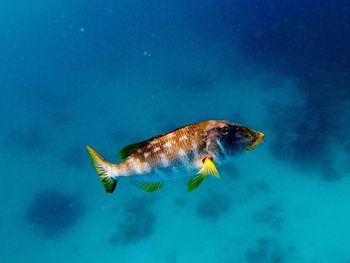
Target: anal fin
column 150, row 186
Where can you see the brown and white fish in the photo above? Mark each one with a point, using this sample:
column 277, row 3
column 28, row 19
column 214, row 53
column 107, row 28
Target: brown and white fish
column 190, row 151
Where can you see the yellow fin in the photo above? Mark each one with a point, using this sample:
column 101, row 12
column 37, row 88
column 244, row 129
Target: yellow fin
column 102, row 168
column 150, row 187
column 209, row 168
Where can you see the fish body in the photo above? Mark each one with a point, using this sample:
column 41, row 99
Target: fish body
column 179, row 153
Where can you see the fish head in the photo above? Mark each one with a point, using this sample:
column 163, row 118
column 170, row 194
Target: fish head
column 233, row 138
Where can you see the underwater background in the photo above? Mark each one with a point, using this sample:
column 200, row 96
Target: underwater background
column 110, row 73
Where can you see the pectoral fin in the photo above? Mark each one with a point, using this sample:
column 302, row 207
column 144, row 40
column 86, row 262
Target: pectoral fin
column 208, row 168
column 150, row 187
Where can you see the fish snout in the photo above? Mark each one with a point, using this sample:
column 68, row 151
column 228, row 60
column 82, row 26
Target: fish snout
column 258, row 139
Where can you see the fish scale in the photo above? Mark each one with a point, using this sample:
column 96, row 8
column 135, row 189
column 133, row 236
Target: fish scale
column 158, row 151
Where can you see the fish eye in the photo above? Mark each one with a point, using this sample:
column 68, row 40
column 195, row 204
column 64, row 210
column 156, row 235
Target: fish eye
column 224, row 130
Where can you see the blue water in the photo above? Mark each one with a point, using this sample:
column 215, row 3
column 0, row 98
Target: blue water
column 111, row 73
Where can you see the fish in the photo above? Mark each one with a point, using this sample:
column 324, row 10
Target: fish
column 194, row 151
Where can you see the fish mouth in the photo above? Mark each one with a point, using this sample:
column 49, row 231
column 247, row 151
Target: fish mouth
column 258, row 140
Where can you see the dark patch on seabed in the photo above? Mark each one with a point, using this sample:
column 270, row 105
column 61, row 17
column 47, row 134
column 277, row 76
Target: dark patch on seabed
column 297, row 134
column 213, row 206
column 138, row 222
column 268, row 250
column 28, row 139
column 312, row 49
column 231, row 172
column 270, row 216
column 53, row 213
column 257, row 188
column 303, row 137
column 328, row 171
column 180, row 202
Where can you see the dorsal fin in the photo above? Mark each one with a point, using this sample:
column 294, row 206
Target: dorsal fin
column 128, row 150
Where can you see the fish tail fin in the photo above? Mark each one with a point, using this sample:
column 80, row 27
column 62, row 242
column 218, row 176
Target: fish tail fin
column 103, row 168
